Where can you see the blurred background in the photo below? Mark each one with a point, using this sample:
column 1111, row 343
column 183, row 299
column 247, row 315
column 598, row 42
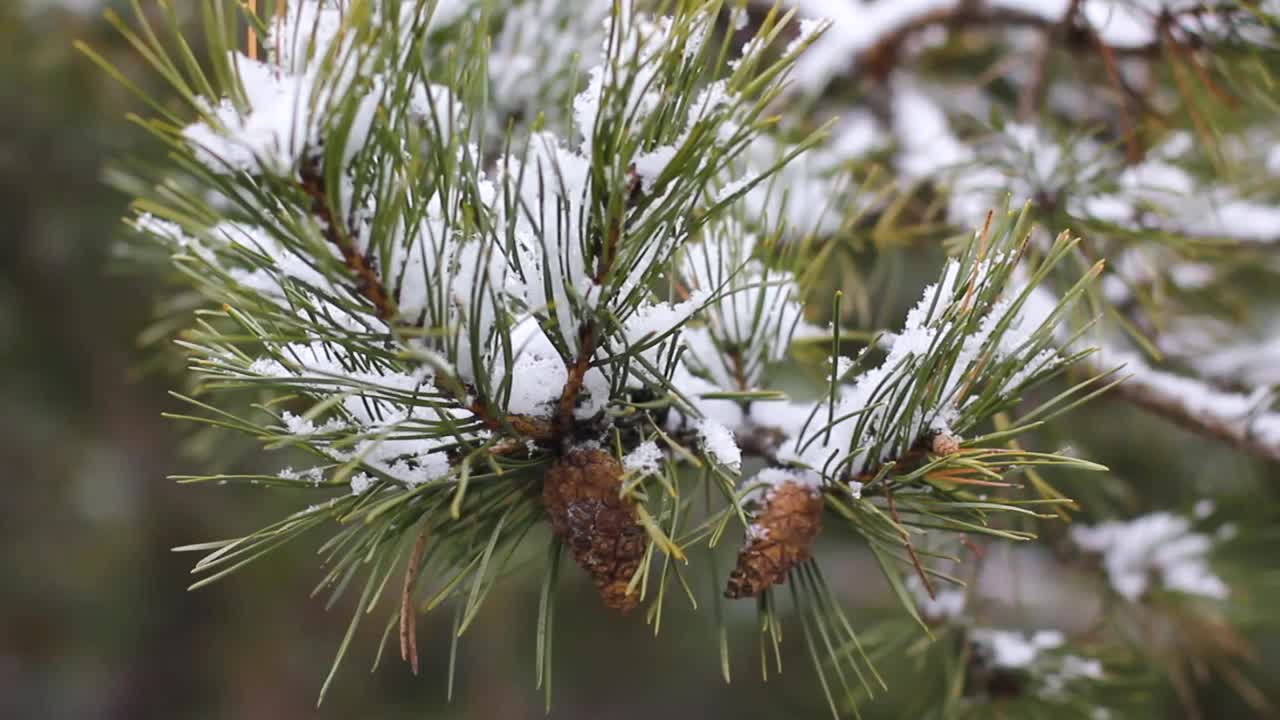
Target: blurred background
column 95, row 620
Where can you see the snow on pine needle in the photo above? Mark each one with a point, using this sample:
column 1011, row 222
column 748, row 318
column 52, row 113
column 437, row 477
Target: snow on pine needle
column 968, row 349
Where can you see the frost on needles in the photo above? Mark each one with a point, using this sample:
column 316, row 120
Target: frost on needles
column 491, row 324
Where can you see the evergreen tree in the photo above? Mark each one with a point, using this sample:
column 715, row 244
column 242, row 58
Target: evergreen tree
column 604, row 282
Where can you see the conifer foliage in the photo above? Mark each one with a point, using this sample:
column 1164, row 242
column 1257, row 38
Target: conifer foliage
column 520, row 280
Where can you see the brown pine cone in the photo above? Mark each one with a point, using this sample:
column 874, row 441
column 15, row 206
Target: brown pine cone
column 580, row 493
column 785, row 528
column 944, row 444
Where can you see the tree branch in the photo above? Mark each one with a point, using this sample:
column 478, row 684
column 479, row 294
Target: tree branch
column 881, row 57
column 1198, row 406
column 338, row 234
column 371, row 288
column 1203, row 409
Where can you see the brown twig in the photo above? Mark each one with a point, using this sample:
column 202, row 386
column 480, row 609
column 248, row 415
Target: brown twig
column 906, row 541
column 1032, row 96
column 367, row 282
column 371, row 288
column 588, row 337
column 1169, row 42
column 278, row 38
column 880, row 59
column 577, row 375
column 408, row 617
column 1128, row 128
column 1189, row 57
column 526, row 426
column 252, row 41
column 1176, row 408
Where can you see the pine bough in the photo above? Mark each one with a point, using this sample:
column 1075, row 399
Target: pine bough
column 494, row 320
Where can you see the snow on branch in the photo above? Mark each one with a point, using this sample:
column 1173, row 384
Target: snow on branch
column 1240, row 420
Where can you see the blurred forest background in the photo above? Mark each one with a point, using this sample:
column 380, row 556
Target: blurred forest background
column 95, row 620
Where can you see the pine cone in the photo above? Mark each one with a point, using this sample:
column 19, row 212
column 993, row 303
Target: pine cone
column 944, row 444
column 785, row 529
column 580, row 493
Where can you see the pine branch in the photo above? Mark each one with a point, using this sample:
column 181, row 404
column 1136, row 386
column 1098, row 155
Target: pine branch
column 587, row 336
column 1201, row 408
column 337, row 233
column 592, row 304
column 883, row 56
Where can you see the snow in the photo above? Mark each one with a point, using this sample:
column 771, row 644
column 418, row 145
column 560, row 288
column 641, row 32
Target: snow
column 1014, row 649
column 775, row 477
column 718, row 442
column 692, row 387
column 1070, row 669
column 1181, row 203
column 270, row 137
column 538, row 376
column 360, row 483
column 301, row 426
column 376, row 422
column 928, row 146
column 646, row 458
column 553, row 185
column 1246, row 415
column 164, row 230
column 758, row 309
column 838, row 440
column 313, row 475
column 854, row 27
column 1255, row 363
column 542, row 46
column 294, row 97
column 431, row 466
column 538, row 373
column 947, row 603
column 805, row 195
column 638, row 37
column 655, row 320
column 650, row 165
column 1160, row 545
column 810, row 29
column 290, row 99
